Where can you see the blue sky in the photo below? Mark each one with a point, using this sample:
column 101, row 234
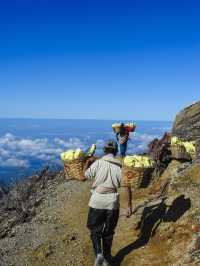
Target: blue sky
column 98, row 59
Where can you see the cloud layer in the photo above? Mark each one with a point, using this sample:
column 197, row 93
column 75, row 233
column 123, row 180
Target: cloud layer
column 20, row 152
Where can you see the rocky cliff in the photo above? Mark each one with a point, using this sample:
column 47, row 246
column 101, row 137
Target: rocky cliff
column 187, row 123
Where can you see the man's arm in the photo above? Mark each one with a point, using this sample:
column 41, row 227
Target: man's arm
column 117, row 137
column 129, row 201
column 87, row 165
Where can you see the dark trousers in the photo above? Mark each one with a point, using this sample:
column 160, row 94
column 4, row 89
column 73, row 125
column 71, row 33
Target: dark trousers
column 123, row 148
column 102, row 224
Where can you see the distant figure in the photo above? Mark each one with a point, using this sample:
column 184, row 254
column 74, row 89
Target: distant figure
column 122, row 139
column 104, row 203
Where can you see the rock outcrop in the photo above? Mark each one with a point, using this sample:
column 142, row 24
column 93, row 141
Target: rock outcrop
column 184, row 214
column 187, row 123
column 19, row 204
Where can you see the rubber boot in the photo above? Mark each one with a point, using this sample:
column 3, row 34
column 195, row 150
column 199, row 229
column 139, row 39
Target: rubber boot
column 107, row 244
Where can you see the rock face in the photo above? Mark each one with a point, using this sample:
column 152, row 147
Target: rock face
column 187, row 123
column 184, row 189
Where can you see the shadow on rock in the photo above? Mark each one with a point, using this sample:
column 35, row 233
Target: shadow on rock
column 151, row 218
column 147, row 178
column 179, row 206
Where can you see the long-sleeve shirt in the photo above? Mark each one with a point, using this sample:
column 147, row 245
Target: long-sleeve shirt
column 122, row 138
column 107, row 174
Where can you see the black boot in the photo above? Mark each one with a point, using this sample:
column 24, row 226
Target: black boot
column 107, row 244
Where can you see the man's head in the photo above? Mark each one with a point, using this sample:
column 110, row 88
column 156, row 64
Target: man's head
column 111, row 147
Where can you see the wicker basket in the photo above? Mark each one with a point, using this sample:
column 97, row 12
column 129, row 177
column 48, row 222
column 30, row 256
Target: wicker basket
column 179, row 152
column 193, row 156
column 132, row 176
column 74, row 169
column 196, row 154
column 116, row 129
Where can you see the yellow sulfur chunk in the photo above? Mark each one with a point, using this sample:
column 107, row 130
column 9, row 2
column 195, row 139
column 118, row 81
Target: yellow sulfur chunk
column 174, row 140
column 138, row 161
column 91, row 150
column 116, row 125
column 68, row 155
column 189, row 145
column 62, row 156
column 78, row 154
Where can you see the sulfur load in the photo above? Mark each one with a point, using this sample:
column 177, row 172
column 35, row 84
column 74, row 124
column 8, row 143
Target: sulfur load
column 126, row 125
column 138, row 161
column 77, row 154
column 189, row 145
column 91, row 150
column 130, row 127
column 71, row 155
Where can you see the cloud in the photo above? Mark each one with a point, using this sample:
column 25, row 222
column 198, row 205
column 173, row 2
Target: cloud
column 139, row 142
column 16, row 151
column 144, row 137
column 4, row 153
column 72, row 143
column 21, row 152
column 163, row 129
column 14, row 162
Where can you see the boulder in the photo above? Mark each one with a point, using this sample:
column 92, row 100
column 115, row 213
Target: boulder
column 187, row 123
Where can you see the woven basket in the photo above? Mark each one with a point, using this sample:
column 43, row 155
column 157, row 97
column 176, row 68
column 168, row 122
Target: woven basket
column 74, row 169
column 132, row 176
column 131, row 128
column 196, row 154
column 193, row 156
column 179, row 152
column 116, row 129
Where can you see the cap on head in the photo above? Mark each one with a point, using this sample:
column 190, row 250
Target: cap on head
column 111, row 146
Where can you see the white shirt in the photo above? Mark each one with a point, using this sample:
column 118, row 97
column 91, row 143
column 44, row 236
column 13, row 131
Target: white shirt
column 107, row 174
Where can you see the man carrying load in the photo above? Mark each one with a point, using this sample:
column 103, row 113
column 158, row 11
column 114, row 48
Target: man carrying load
column 104, row 203
column 123, row 137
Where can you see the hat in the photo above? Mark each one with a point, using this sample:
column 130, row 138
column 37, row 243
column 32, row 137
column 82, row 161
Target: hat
column 111, row 144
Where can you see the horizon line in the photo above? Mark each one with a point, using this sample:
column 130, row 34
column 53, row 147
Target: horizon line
column 94, row 119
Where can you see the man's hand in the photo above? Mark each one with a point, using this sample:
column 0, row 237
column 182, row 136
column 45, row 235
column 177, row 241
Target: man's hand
column 128, row 212
column 89, row 162
column 83, row 178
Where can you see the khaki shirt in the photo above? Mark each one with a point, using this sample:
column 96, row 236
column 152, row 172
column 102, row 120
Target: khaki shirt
column 107, row 174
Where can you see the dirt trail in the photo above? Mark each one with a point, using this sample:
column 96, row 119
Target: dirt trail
column 72, row 246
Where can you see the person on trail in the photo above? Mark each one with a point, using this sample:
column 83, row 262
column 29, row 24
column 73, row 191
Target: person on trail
column 103, row 212
column 122, row 139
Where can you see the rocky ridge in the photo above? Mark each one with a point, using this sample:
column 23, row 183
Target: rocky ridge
column 187, row 123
